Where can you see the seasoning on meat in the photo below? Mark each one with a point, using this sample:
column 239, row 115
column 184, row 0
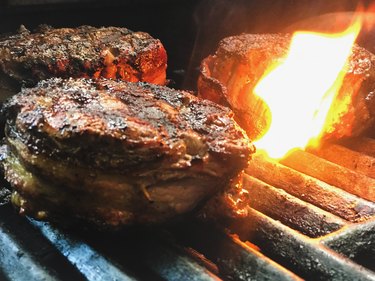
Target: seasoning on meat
column 116, row 153
column 110, row 52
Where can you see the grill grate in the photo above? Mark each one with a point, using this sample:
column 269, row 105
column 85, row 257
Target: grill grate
column 301, row 225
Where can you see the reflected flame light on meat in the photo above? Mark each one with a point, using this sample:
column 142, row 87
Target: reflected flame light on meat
column 299, row 89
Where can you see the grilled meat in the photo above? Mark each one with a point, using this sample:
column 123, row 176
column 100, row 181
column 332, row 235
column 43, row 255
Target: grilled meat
column 230, row 75
column 117, row 153
column 85, row 51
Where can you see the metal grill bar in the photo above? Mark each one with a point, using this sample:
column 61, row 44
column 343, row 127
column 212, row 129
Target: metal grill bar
column 361, row 235
column 310, row 259
column 89, row 262
column 148, row 251
column 355, row 240
column 235, row 260
column 302, row 216
column 18, row 265
column 27, row 255
column 331, row 173
column 350, row 159
column 310, row 189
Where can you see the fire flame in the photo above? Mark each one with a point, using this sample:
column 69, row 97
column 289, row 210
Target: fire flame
column 300, row 90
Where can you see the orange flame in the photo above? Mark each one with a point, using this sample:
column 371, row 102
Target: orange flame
column 300, row 89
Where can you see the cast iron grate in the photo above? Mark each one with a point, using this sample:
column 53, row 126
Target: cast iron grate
column 312, row 217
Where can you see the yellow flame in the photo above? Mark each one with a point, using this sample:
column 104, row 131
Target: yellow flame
column 300, row 89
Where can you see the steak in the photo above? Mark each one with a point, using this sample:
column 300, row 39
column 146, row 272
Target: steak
column 116, row 153
column 230, row 75
column 110, row 52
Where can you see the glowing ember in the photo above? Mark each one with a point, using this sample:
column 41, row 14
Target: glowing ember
column 300, row 89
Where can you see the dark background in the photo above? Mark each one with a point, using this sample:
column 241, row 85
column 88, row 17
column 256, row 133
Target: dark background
column 189, row 29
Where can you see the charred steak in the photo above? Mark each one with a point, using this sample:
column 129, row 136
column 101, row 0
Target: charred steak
column 117, row 153
column 230, row 75
column 110, row 52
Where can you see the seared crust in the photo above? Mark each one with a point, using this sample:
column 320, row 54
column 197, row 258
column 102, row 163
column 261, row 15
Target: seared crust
column 144, row 120
column 230, row 75
column 84, row 51
column 128, row 143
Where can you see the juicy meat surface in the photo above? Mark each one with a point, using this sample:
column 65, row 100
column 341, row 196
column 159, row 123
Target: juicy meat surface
column 229, row 76
column 110, row 52
column 117, row 153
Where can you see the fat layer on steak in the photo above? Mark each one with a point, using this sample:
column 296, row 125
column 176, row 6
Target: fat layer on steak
column 86, row 51
column 117, row 153
column 230, row 75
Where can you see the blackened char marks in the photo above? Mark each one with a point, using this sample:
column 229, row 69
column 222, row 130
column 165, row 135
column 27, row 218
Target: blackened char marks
column 135, row 114
column 115, row 153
